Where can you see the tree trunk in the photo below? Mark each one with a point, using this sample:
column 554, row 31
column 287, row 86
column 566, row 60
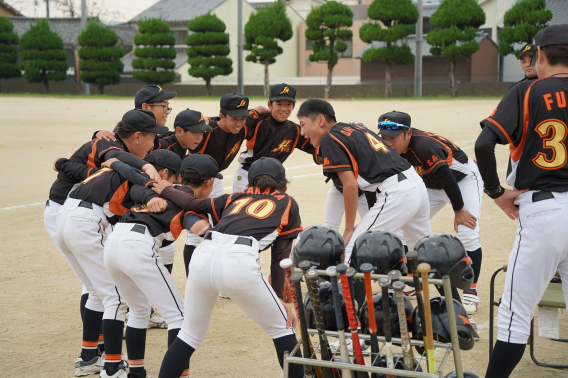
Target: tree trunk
column 327, row 92
column 208, row 88
column 45, row 82
column 453, row 83
column 101, row 89
column 388, row 83
column 266, row 84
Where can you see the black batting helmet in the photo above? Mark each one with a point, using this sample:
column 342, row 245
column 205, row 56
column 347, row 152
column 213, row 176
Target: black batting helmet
column 321, row 245
column 327, row 308
column 380, row 248
column 441, row 325
column 447, row 256
column 379, row 316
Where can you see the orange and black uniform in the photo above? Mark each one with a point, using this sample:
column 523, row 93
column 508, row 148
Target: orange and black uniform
column 170, row 142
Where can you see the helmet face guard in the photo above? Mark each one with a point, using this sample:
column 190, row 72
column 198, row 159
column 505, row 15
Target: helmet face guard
column 382, row 249
column 322, row 246
column 447, row 256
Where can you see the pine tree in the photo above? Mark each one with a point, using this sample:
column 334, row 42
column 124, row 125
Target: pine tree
column 396, row 21
column 453, row 33
column 8, row 50
column 522, row 22
column 43, row 57
column 208, row 49
column 100, row 56
column 328, row 26
column 155, row 52
column 262, row 32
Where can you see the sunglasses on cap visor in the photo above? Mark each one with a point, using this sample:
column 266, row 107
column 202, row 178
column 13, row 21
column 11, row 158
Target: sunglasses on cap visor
column 387, row 125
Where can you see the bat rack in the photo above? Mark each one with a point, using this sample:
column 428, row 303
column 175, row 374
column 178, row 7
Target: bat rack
column 447, row 348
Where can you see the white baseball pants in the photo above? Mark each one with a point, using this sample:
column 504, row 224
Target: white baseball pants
column 240, row 179
column 335, row 207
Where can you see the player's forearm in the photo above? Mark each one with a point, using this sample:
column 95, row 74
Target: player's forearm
column 280, row 250
column 449, row 183
column 74, row 170
column 131, row 174
column 485, row 155
column 126, row 158
column 184, row 200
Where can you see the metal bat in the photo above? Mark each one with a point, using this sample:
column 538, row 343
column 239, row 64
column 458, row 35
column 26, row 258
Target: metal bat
column 384, row 283
column 424, row 269
column 404, row 337
column 331, row 271
column 412, row 257
column 366, row 269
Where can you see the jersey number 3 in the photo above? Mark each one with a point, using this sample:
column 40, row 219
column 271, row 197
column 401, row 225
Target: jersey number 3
column 260, row 209
column 376, row 143
column 555, row 142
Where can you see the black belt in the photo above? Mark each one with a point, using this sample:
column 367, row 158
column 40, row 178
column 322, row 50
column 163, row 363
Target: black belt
column 401, row 177
column 240, row 240
column 86, row 205
column 246, row 167
column 541, row 195
column 139, row 228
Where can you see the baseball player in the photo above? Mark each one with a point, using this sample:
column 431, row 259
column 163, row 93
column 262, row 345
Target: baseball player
column 82, row 227
column 132, row 257
column 450, row 177
column 359, row 158
column 525, row 57
column 532, row 119
column 272, row 135
column 156, row 100
column 228, row 261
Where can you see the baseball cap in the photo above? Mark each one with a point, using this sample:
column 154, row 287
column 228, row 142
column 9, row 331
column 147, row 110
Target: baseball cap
column 552, row 35
column 527, row 49
column 191, row 120
column 393, row 123
column 142, row 120
column 150, row 94
column 164, row 158
column 267, row 166
column 235, row 104
column 282, row 92
column 199, row 166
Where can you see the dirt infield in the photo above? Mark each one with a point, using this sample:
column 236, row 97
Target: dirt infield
column 41, row 330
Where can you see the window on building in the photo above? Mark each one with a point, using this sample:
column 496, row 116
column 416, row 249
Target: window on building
column 348, row 53
column 309, row 44
column 180, row 36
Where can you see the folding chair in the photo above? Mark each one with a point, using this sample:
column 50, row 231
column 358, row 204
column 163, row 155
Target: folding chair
column 553, row 297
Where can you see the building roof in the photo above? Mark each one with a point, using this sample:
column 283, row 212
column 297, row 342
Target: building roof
column 9, row 9
column 180, row 60
column 428, row 9
column 125, row 32
column 559, row 13
column 178, row 10
column 411, row 42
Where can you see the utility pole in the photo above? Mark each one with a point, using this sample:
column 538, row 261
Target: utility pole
column 418, row 57
column 240, row 85
column 47, row 8
column 83, row 26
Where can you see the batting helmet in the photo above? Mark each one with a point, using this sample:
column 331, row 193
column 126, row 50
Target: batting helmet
column 380, row 248
column 441, row 326
column 379, row 316
column 398, row 364
column 327, row 308
column 321, row 245
column 447, row 256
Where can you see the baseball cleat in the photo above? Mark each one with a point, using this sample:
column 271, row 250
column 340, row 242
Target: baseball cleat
column 474, row 327
column 120, row 373
column 409, row 291
column 83, row 368
column 336, row 347
column 156, row 321
column 471, row 303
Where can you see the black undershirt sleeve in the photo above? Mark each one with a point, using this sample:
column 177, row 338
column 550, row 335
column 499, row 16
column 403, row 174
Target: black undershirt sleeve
column 485, row 155
column 450, row 185
column 141, row 194
column 280, row 250
column 189, row 220
column 184, row 200
column 126, row 158
column 74, row 170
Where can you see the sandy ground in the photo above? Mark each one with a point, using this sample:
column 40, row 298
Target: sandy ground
column 41, row 328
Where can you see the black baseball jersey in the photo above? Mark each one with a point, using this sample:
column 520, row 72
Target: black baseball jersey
column 270, row 138
column 533, row 119
column 223, row 146
column 170, row 142
column 355, row 148
column 265, row 216
column 110, row 190
column 428, row 151
column 165, row 227
column 90, row 154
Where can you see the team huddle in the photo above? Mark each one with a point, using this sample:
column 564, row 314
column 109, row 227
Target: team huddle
column 122, row 199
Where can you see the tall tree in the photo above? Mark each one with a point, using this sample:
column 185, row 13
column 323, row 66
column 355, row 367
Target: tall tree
column 8, row 51
column 396, row 21
column 522, row 22
column 453, row 35
column 208, row 49
column 328, row 28
column 262, row 32
column 43, row 58
column 155, row 52
column 100, row 56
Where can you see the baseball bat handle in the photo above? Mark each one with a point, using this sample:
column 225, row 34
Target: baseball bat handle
column 404, row 337
column 424, row 269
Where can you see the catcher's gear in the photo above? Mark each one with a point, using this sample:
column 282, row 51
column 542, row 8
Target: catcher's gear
column 327, row 308
column 320, row 245
column 441, row 326
column 398, row 364
column 380, row 248
column 379, row 317
column 447, row 256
